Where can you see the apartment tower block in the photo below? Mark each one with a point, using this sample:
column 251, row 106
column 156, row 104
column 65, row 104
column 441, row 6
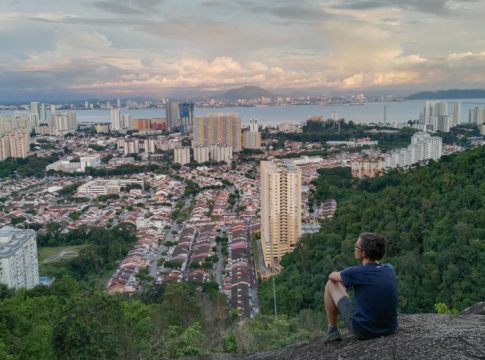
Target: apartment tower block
column 280, row 209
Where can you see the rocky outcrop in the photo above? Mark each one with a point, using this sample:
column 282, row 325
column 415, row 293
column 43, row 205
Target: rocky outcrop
column 424, row 336
column 477, row 309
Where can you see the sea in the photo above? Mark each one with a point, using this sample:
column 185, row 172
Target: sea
column 370, row 112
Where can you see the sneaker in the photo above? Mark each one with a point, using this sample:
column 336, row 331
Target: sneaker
column 332, row 336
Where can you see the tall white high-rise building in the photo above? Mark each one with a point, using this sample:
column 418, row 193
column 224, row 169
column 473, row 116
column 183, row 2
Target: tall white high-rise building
column 126, row 121
column 181, row 155
column 201, row 154
column 115, row 119
column 131, row 146
column 149, row 145
column 14, row 144
column 64, row 123
column 43, row 114
column 333, row 116
column 280, row 209
column 456, row 114
column 221, row 153
column 252, row 138
column 432, row 110
column 18, row 258
column 118, row 103
column 476, row 116
column 443, row 123
column 172, row 115
column 35, row 113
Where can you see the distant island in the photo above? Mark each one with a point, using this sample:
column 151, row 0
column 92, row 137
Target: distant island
column 245, row 92
column 449, row 94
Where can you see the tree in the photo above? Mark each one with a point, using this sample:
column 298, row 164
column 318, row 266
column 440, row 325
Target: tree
column 75, row 215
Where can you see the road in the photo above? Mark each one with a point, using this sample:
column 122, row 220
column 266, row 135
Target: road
column 153, row 267
column 219, row 267
column 252, row 273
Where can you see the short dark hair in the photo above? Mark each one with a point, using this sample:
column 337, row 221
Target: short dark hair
column 374, row 245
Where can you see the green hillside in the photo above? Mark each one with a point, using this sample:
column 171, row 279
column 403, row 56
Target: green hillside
column 434, row 218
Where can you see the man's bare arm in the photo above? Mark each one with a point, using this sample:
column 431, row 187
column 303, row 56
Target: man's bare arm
column 335, row 277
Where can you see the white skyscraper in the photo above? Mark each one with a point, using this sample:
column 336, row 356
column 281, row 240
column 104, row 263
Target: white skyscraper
column 172, row 115
column 63, row 123
column 115, row 119
column 252, row 138
column 476, row 116
column 456, row 114
column 131, row 146
column 149, row 145
column 221, row 153
column 181, row 155
column 201, row 154
column 18, row 258
column 126, row 121
column 35, row 117
column 433, row 115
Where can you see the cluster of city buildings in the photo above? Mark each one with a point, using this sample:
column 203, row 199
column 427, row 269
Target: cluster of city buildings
column 436, row 116
column 423, row 147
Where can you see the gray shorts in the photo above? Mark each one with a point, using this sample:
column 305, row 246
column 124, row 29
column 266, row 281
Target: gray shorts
column 347, row 311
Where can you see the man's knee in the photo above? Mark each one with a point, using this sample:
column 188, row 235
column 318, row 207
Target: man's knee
column 329, row 285
column 335, row 290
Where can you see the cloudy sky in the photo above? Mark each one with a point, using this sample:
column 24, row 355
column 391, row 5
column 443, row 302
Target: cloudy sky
column 103, row 48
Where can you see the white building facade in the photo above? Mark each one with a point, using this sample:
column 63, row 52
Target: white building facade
column 19, row 266
column 181, row 155
column 423, row 147
column 201, row 154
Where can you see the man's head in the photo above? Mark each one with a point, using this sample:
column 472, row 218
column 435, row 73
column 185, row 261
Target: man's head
column 371, row 246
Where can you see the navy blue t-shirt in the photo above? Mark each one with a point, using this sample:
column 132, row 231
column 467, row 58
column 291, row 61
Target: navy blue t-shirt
column 375, row 288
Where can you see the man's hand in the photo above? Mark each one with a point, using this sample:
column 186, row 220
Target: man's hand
column 335, row 276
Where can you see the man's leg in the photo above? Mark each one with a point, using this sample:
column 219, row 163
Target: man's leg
column 334, row 291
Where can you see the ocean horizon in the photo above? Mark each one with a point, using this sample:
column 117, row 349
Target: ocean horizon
column 371, row 112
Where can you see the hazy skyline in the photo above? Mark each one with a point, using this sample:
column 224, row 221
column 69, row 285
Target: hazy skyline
column 89, row 48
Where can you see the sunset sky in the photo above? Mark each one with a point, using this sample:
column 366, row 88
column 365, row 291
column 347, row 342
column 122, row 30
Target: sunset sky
column 79, row 48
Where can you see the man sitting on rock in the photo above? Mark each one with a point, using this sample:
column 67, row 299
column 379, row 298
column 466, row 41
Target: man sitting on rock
column 375, row 311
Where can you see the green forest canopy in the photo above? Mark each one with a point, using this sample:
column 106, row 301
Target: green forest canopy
column 434, row 218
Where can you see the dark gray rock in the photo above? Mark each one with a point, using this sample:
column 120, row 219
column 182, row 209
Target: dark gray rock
column 420, row 337
column 477, row 309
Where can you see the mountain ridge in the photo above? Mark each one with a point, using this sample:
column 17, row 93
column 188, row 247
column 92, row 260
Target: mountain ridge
column 448, row 94
column 245, row 92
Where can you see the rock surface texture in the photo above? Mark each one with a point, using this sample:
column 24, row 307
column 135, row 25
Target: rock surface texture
column 423, row 336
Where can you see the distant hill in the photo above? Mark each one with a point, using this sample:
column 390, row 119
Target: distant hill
column 449, row 94
column 245, row 92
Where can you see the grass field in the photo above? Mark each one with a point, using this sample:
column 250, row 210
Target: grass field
column 48, row 255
